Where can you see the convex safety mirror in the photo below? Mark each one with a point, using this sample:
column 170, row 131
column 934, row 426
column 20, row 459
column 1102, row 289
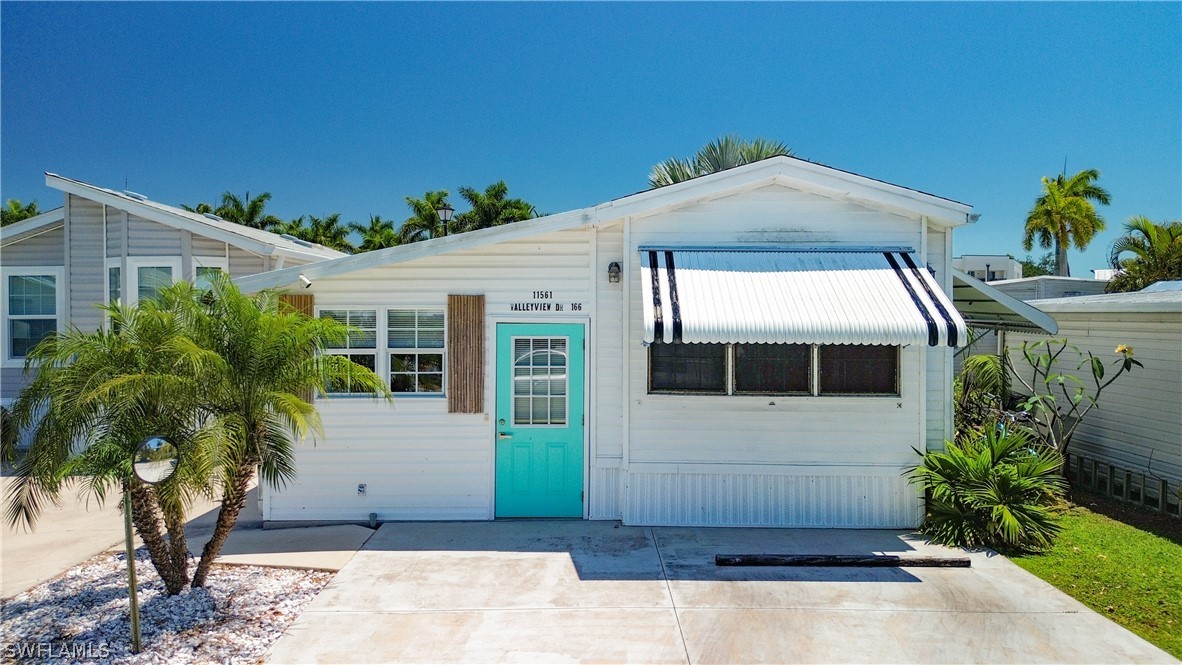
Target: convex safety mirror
column 155, row 460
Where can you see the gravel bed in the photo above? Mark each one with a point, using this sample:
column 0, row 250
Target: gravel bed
column 82, row 616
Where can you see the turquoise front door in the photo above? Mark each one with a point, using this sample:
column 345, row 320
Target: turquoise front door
column 539, row 420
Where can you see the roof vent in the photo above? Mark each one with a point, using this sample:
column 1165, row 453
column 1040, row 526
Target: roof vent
column 298, row 241
column 133, row 195
column 210, row 215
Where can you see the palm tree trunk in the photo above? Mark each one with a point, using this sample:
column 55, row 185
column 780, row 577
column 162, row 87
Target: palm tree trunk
column 1061, row 267
column 178, row 546
column 147, row 525
column 232, row 501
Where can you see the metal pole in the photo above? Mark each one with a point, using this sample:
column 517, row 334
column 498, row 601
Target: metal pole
column 131, row 590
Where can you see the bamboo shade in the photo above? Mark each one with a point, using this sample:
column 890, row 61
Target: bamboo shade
column 296, row 302
column 465, row 354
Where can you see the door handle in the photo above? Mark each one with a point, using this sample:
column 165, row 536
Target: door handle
column 503, row 435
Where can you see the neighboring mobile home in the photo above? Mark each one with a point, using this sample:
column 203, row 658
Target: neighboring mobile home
column 761, row 346
column 103, row 246
column 1138, row 423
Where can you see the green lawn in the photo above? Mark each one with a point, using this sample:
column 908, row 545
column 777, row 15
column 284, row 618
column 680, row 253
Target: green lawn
column 1130, row 574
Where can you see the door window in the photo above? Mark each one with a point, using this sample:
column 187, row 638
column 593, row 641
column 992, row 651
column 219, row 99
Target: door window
column 539, row 381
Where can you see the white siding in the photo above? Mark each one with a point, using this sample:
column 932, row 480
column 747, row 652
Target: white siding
column 147, row 238
column 244, row 263
column 804, row 461
column 419, row 461
column 203, row 246
column 692, row 459
column 114, row 232
column 44, row 249
column 1138, row 423
column 85, row 272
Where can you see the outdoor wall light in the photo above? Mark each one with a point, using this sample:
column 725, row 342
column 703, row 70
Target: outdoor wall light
column 305, row 281
column 445, row 213
column 613, row 272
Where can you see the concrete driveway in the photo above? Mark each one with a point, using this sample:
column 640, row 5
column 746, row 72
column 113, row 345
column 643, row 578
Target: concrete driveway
column 554, row 591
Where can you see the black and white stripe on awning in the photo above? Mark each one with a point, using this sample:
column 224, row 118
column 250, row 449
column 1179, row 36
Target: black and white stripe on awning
column 794, row 297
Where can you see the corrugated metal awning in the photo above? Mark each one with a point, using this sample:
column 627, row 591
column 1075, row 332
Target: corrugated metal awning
column 983, row 306
column 794, row 297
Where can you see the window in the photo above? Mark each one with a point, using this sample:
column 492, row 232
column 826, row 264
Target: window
column 360, row 345
column 114, row 284
column 539, row 380
column 151, row 279
column 203, row 280
column 687, row 368
column 33, row 300
column 774, row 369
column 415, row 339
column 852, row 369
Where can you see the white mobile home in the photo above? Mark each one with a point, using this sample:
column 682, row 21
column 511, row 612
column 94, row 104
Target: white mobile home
column 102, row 246
column 761, row 346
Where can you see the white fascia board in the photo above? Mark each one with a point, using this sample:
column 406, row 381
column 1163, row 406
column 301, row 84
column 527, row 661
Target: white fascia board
column 32, row 224
column 1032, row 314
column 418, row 250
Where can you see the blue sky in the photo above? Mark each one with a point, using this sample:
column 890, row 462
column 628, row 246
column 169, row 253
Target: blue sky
column 351, row 107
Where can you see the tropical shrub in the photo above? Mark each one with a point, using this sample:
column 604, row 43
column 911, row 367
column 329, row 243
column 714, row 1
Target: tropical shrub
column 979, row 393
column 997, row 488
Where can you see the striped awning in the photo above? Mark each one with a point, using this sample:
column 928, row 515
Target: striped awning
column 760, row 296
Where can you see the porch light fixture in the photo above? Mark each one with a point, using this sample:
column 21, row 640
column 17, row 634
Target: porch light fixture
column 613, row 272
column 445, row 213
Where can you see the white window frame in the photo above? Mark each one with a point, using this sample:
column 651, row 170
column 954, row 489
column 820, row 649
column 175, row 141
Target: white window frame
column 383, row 350
column 132, row 279
column 389, row 351
column 220, row 262
column 59, row 275
column 378, row 348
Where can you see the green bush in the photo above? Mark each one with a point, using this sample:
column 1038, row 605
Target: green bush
column 995, row 488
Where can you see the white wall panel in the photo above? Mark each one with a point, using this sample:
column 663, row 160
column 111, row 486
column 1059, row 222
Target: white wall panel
column 85, row 272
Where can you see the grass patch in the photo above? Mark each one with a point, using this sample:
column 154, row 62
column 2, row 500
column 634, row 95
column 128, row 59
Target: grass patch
column 1130, row 574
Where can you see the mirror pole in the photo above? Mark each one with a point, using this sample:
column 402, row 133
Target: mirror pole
column 131, row 584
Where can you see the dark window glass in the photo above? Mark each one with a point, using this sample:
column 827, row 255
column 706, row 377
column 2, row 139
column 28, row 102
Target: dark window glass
column 859, row 369
column 344, row 385
column 772, row 368
column 698, row 368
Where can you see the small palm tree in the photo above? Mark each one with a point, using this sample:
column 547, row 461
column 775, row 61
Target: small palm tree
column 492, row 207
column 14, row 211
column 247, row 211
column 267, row 364
column 1064, row 215
column 423, row 224
column 725, row 152
column 93, row 399
column 1147, row 253
column 378, row 234
column 294, row 228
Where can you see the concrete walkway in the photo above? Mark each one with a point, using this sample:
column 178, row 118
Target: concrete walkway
column 75, row 531
column 599, row 592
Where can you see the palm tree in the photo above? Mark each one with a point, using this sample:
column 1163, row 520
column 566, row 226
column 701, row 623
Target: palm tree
column 267, row 365
column 1156, row 251
column 1064, row 215
column 725, row 152
column 328, row 231
column 247, row 211
column 294, row 228
column 492, row 207
column 93, row 399
column 378, row 234
column 200, row 208
column 14, row 211
column 423, row 224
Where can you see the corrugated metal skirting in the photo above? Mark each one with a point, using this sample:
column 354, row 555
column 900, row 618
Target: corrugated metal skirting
column 878, row 501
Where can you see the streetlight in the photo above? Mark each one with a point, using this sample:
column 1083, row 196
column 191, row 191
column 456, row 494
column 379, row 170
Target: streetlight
column 445, row 211
column 154, row 461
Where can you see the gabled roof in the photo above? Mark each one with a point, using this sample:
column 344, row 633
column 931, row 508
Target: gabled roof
column 31, row 226
column 787, row 171
column 253, row 240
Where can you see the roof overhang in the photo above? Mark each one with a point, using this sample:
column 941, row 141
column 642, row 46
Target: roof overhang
column 36, row 225
column 983, row 306
column 186, row 221
column 880, row 296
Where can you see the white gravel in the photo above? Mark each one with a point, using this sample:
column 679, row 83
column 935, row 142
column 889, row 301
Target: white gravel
column 82, row 616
